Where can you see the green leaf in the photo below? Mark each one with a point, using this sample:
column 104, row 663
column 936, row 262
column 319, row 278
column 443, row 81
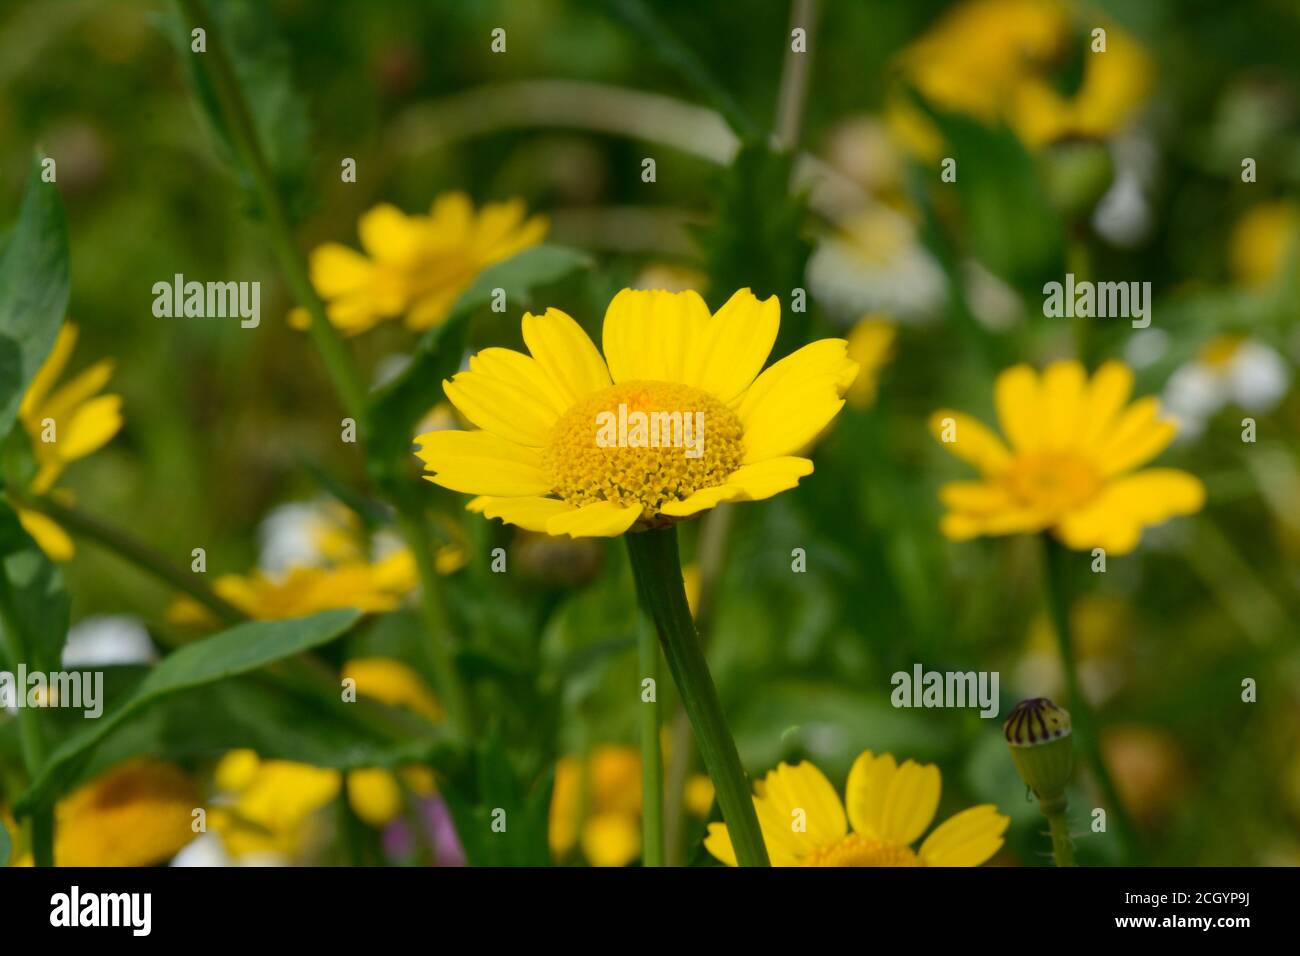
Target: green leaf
column 33, row 292
column 6, row 845
column 40, row 604
column 263, row 70
column 397, row 408
column 239, row 650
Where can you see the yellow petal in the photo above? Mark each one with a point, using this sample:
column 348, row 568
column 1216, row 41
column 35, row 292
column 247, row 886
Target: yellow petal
column 505, row 408
column 647, row 335
column 798, row 810
column 611, row 839
column 375, row 795
column 389, row 234
column 530, row 513
column 50, row 370
column 718, row 843
column 1114, row 521
column 564, row 350
column 747, row 483
column 92, row 426
column 1016, row 395
column 1108, row 392
column 793, row 400
column 602, row 520
column 337, row 270
column 64, row 401
column 733, row 345
column 1063, row 385
column 967, row 839
column 524, row 371
column 481, row 463
column 49, row 537
column 972, row 441
column 894, row 803
column 1137, row 436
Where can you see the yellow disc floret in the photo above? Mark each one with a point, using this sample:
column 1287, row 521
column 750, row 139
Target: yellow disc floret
column 643, row 442
column 862, row 849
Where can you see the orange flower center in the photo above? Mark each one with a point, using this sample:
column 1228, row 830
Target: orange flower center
column 859, row 849
column 1052, row 481
column 644, row 443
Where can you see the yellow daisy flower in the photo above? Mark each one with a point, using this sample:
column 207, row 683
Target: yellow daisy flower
column 1069, row 466
column 137, row 814
column 546, row 457
column 64, row 424
column 268, row 806
column 995, row 60
column 888, row 807
column 416, row 266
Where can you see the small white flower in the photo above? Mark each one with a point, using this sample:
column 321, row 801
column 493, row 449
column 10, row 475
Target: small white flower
column 1231, row 370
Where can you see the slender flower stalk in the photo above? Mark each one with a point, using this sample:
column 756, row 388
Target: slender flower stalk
column 658, row 572
column 30, row 733
column 652, row 764
column 1056, row 574
column 347, row 382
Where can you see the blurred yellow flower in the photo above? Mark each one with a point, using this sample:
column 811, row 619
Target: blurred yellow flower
column 871, row 345
column 266, row 806
column 137, row 814
column 1262, row 242
column 596, row 806
column 393, row 683
column 416, row 266
column 888, row 806
column 540, row 460
column 64, row 424
column 1069, row 468
column 996, row 60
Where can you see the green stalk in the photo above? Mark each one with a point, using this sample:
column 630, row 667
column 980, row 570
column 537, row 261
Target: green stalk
column 436, row 621
column 30, row 735
column 658, row 571
column 137, row 552
column 347, row 383
column 1062, row 845
column 243, row 135
column 1056, row 578
column 652, row 766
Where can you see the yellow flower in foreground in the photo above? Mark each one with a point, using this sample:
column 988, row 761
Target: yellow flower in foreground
column 997, row 60
column 267, row 806
column 416, row 266
column 888, row 807
column 139, row 813
column 675, row 418
column 64, row 424
column 1262, row 241
column 1068, row 468
column 871, row 345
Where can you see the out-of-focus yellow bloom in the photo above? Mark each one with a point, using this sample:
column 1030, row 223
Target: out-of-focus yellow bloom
column 1262, row 242
column 1149, row 768
column 537, row 462
column 597, row 806
column 137, row 814
column 416, row 266
column 871, row 345
column 888, row 805
column 394, row 683
column 996, row 60
column 267, row 805
column 64, row 424
column 1073, row 445
column 375, row 795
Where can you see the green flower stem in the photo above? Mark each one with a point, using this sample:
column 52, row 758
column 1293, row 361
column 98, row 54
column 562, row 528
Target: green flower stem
column 1062, row 845
column 658, row 572
column 347, row 383
column 216, row 65
column 30, row 734
column 438, row 648
column 652, row 765
column 137, row 552
column 1056, row 577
